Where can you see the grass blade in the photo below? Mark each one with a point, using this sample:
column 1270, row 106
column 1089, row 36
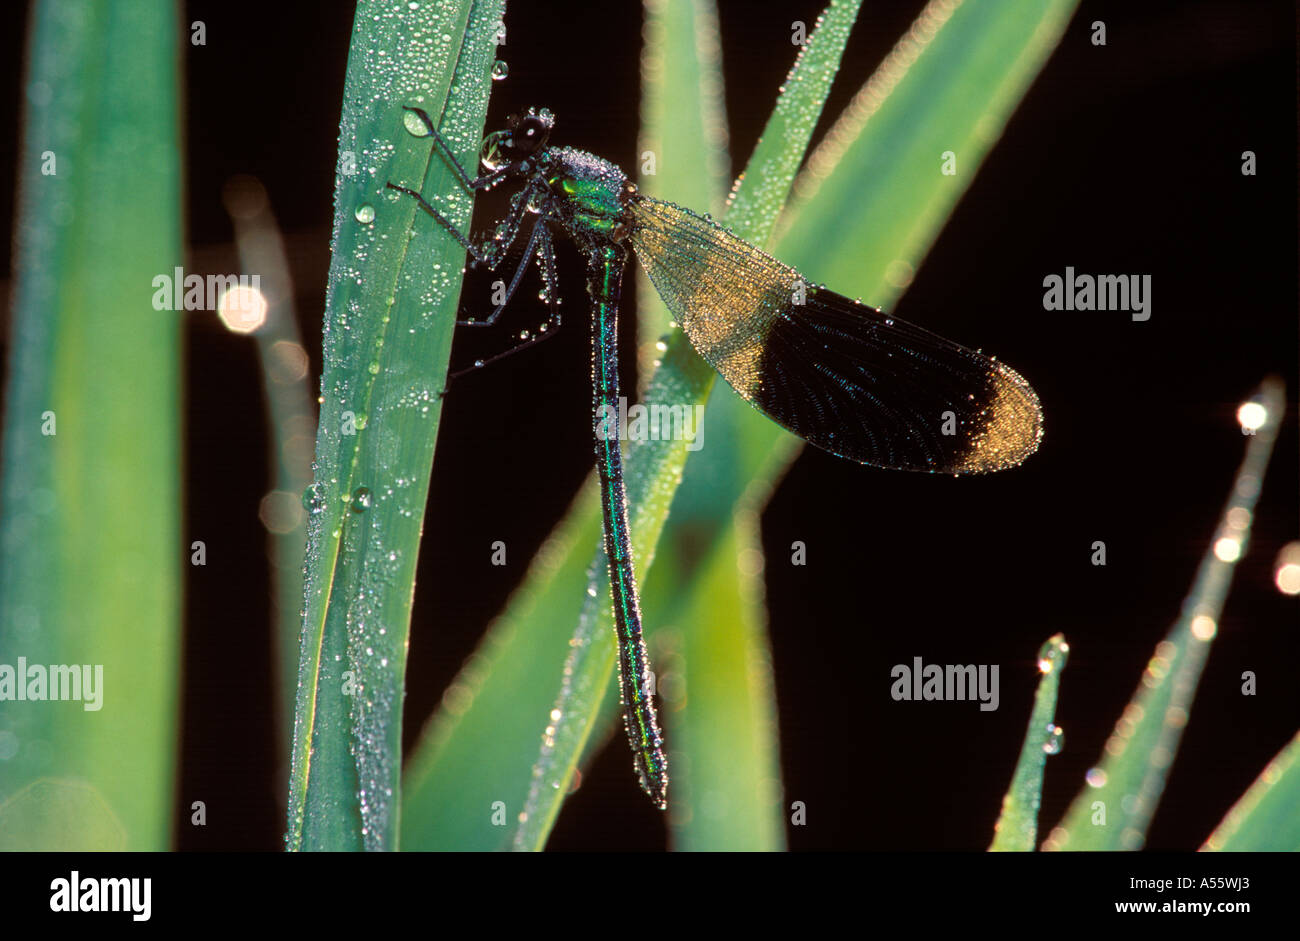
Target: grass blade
column 90, row 544
column 1017, row 826
column 394, row 286
column 1115, row 807
column 1265, row 818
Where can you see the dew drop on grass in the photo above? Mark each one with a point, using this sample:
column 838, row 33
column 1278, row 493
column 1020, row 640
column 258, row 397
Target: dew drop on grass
column 499, row 70
column 365, row 213
column 361, row 500
column 412, row 122
column 313, row 498
column 1055, row 739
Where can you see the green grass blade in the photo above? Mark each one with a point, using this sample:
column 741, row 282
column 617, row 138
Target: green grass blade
column 1265, row 818
column 950, row 84
column 1017, row 826
column 90, row 542
column 683, row 145
column 654, row 468
column 394, row 286
column 1118, row 800
column 468, row 778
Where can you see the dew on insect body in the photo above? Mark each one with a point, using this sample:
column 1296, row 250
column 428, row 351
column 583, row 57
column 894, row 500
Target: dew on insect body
column 365, row 213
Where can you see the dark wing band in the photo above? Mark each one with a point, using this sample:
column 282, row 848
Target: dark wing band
column 837, row 373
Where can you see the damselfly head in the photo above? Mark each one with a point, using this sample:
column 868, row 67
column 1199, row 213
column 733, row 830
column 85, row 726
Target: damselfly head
column 524, row 135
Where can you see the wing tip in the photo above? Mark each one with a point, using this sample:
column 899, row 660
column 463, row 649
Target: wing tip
column 1012, row 426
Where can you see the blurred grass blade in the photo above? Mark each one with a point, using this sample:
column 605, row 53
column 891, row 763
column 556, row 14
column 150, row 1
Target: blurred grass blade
column 394, row 286
column 291, row 420
column 1265, row 818
column 1017, row 826
column 719, row 700
column 654, row 468
column 683, row 144
column 1115, row 807
column 90, row 544
column 950, row 84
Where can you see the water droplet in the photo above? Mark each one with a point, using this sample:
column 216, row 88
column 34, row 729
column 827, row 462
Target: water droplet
column 414, row 124
column 313, row 498
column 1055, row 739
column 365, row 213
column 499, row 70
column 374, row 368
column 361, row 500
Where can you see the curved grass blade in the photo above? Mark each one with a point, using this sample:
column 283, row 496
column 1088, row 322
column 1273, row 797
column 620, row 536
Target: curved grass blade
column 393, row 290
column 1265, row 818
column 1120, row 796
column 90, row 542
column 1017, row 826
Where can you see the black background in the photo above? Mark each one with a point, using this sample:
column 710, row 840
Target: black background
column 1123, row 159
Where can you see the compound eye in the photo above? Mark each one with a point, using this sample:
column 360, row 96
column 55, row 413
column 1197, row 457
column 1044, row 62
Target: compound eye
column 529, row 134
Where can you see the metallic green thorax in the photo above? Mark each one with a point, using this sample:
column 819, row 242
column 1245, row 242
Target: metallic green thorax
column 592, row 196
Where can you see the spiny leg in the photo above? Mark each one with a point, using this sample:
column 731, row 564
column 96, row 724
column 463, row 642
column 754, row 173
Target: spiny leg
column 545, row 248
column 486, row 181
column 538, row 232
column 494, row 251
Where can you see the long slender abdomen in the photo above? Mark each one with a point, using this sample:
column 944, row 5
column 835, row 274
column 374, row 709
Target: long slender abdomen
column 605, row 284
